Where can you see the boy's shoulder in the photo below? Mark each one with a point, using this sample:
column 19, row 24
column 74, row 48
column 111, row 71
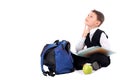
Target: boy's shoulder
column 101, row 31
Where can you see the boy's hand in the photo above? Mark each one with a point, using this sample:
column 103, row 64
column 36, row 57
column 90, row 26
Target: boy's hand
column 86, row 31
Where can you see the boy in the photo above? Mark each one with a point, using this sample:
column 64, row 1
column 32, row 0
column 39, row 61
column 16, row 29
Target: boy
column 92, row 36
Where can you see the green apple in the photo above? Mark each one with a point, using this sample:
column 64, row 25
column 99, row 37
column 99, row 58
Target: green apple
column 87, row 69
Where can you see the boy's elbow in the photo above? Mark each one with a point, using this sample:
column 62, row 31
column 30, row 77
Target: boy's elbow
column 78, row 49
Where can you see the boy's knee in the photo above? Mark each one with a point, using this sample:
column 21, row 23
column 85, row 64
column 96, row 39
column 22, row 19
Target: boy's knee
column 107, row 62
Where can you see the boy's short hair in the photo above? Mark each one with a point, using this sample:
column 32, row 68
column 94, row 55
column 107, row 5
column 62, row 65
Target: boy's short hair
column 100, row 16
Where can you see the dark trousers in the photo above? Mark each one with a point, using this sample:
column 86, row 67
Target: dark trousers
column 102, row 60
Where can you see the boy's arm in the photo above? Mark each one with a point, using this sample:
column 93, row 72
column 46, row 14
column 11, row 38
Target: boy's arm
column 86, row 31
column 104, row 41
column 80, row 45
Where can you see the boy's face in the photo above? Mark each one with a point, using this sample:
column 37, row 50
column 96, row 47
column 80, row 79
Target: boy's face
column 91, row 20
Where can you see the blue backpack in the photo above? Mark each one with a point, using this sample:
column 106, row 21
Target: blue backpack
column 57, row 57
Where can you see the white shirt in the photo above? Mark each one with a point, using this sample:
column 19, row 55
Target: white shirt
column 103, row 41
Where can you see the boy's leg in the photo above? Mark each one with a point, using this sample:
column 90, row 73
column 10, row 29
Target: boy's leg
column 79, row 61
column 102, row 59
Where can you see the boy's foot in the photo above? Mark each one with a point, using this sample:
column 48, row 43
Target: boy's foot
column 96, row 65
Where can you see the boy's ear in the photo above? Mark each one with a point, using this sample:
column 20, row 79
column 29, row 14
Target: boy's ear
column 98, row 23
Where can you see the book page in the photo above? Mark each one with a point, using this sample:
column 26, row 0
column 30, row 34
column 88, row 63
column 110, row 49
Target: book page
column 89, row 51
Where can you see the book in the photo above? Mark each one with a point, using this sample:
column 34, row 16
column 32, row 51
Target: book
column 95, row 49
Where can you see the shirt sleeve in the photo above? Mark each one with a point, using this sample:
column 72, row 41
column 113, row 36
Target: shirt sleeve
column 104, row 41
column 80, row 45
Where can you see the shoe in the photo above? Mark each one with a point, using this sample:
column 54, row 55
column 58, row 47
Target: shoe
column 96, row 65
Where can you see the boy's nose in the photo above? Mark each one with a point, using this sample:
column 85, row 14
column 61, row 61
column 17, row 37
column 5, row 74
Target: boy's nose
column 86, row 19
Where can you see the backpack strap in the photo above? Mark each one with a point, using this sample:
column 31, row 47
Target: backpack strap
column 66, row 45
column 47, row 46
column 50, row 73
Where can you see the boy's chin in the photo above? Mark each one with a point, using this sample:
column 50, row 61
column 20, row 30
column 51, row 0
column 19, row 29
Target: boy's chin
column 86, row 23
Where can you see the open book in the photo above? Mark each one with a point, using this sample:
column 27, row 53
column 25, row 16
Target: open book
column 87, row 52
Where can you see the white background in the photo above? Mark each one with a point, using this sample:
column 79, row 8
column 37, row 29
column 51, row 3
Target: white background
column 27, row 25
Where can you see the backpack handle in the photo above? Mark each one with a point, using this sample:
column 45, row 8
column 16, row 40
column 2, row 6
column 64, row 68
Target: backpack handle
column 56, row 42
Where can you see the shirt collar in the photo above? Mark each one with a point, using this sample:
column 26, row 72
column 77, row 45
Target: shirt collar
column 92, row 31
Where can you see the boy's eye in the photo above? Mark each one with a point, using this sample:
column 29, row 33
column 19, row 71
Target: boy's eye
column 90, row 16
